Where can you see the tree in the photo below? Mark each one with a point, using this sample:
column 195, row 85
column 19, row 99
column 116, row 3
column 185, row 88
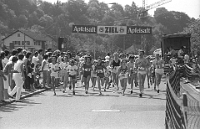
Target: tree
column 194, row 30
column 174, row 21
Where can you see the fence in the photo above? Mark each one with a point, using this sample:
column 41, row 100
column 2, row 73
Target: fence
column 182, row 102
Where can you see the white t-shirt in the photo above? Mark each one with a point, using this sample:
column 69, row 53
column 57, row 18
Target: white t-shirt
column 10, row 59
column 72, row 69
column 5, row 61
column 54, row 67
column 35, row 60
column 63, row 65
column 46, row 66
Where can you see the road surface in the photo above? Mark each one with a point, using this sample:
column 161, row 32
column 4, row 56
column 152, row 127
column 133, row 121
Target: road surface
column 87, row 111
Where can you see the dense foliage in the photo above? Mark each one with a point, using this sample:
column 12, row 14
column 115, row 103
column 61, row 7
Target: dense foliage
column 54, row 20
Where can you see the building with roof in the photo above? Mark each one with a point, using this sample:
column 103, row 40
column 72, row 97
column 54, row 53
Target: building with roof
column 28, row 40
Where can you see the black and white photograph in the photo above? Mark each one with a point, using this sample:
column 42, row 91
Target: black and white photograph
column 99, row 64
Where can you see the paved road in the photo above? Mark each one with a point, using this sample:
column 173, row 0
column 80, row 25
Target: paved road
column 65, row 111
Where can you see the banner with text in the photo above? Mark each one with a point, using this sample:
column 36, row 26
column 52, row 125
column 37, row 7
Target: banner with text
column 111, row 30
column 121, row 30
column 139, row 30
column 84, row 29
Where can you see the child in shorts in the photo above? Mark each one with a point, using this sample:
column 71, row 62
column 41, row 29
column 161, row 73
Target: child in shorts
column 54, row 67
column 100, row 69
column 72, row 71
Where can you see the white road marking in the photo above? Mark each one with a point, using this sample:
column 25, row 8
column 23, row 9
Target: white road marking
column 105, row 110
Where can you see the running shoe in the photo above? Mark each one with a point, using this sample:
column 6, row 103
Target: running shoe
column 140, row 95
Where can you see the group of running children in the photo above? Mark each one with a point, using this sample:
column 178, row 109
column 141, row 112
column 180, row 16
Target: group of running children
column 105, row 71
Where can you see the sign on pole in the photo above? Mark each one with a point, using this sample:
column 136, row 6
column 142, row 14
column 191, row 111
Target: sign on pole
column 111, row 30
column 139, row 30
column 84, row 29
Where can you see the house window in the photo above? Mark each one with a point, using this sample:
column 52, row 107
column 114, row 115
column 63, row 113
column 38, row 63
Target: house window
column 18, row 35
column 26, row 42
column 16, row 42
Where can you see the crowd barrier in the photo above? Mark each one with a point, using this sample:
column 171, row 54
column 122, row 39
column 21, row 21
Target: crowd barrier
column 182, row 101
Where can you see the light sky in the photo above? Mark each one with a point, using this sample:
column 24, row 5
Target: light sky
column 190, row 7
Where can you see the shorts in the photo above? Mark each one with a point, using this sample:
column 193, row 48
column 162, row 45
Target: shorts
column 72, row 76
column 85, row 75
column 159, row 71
column 54, row 74
column 142, row 72
column 101, row 75
column 6, row 83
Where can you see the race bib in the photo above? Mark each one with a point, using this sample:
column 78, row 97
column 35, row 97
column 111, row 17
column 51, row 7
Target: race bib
column 123, row 75
column 141, row 68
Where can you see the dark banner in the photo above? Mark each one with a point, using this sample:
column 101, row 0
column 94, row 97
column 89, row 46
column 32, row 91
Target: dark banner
column 90, row 29
column 139, row 30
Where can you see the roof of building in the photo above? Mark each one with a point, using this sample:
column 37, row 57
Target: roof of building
column 33, row 35
column 176, row 35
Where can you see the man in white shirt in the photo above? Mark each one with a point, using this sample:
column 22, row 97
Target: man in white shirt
column 35, row 59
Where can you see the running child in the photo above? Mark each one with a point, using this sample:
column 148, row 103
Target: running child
column 132, row 71
column 100, row 68
column 73, row 71
column 64, row 73
column 94, row 74
column 54, row 66
column 87, row 68
column 123, row 75
column 107, row 74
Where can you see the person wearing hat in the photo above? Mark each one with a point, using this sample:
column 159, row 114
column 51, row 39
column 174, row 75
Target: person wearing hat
column 141, row 65
column 87, row 68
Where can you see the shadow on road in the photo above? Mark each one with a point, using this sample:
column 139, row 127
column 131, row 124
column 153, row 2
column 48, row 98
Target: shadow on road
column 145, row 95
column 17, row 105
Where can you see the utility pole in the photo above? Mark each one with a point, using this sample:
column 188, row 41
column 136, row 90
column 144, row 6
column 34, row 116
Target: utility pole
column 24, row 41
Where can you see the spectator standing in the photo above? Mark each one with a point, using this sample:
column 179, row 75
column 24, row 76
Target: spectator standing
column 2, row 77
column 5, row 60
column 7, row 70
column 27, row 64
column 18, row 77
column 14, row 53
column 40, row 57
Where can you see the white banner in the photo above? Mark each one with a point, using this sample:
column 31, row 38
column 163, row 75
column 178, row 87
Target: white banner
column 111, row 29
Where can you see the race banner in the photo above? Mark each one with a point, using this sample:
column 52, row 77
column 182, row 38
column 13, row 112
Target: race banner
column 111, row 30
column 139, row 30
column 90, row 29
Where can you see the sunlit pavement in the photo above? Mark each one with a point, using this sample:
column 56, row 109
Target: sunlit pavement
column 87, row 111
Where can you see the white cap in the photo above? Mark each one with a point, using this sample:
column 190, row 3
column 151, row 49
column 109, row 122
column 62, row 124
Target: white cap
column 107, row 58
column 186, row 57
